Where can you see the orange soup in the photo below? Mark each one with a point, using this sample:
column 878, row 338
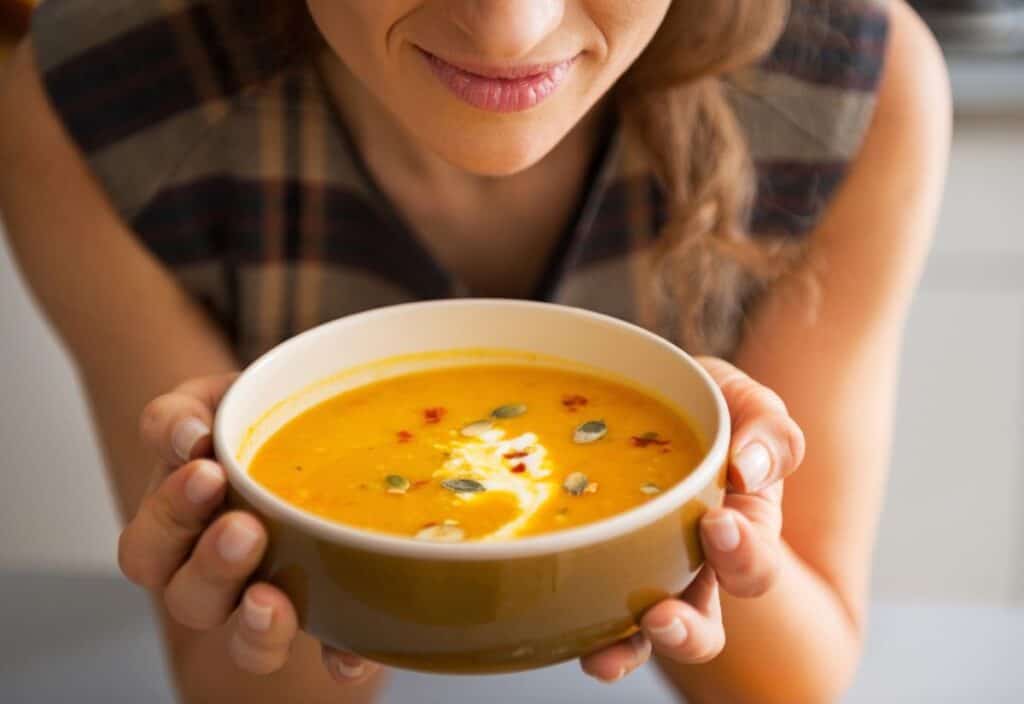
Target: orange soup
column 486, row 452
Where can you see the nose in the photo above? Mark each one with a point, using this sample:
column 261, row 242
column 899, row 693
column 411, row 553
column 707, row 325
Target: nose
column 508, row 29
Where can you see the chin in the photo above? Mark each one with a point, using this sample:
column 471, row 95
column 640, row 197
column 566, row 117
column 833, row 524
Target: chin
column 494, row 147
column 497, row 158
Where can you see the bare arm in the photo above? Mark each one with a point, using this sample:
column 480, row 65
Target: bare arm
column 837, row 374
column 133, row 334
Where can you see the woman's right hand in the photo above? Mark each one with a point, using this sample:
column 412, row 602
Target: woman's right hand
column 199, row 560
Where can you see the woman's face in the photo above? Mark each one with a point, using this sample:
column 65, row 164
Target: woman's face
column 489, row 85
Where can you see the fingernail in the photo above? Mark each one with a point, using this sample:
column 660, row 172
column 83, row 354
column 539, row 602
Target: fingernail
column 350, row 667
column 257, row 616
column 641, row 647
column 236, row 542
column 186, row 434
column 723, row 533
column 671, row 635
column 205, row 482
column 754, row 463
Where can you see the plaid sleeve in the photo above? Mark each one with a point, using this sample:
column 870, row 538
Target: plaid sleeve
column 808, row 105
column 138, row 84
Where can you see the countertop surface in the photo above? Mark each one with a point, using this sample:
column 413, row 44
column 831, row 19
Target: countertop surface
column 91, row 639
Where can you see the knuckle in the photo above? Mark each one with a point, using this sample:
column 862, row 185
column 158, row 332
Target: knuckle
column 184, row 607
column 734, row 382
column 174, row 525
column 739, row 575
column 257, row 657
column 180, row 610
column 751, row 583
column 131, row 561
column 152, row 416
column 714, row 647
column 758, row 396
column 138, row 562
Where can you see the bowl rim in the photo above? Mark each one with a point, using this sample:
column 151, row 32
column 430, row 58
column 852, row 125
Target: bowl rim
column 589, row 534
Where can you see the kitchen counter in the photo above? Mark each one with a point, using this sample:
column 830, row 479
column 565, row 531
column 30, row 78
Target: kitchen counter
column 92, row 639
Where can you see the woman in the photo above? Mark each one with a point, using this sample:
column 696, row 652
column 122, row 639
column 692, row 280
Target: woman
column 188, row 182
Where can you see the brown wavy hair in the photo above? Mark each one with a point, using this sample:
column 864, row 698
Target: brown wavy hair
column 703, row 268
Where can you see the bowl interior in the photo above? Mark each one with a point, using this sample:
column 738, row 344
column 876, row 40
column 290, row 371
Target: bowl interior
column 349, row 352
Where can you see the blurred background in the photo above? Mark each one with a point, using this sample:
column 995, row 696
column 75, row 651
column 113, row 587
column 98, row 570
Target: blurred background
column 948, row 600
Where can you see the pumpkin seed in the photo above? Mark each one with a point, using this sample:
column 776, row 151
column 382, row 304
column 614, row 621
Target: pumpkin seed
column 446, row 532
column 591, row 431
column 576, row 483
column 397, row 484
column 463, row 486
column 650, row 488
column 512, row 410
column 476, row 428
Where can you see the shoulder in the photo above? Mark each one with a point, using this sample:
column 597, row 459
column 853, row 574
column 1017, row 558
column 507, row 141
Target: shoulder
column 907, row 142
column 875, row 235
column 136, row 85
column 914, row 108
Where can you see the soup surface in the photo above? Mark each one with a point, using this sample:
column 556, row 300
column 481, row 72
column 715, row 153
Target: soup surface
column 486, row 452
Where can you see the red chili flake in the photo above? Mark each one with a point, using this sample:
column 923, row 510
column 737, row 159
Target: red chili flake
column 516, row 455
column 434, row 415
column 573, row 402
column 404, row 436
column 429, row 525
column 646, row 440
column 665, row 450
column 418, row 484
column 519, row 468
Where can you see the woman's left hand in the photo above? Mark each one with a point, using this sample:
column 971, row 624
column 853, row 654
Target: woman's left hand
column 742, row 539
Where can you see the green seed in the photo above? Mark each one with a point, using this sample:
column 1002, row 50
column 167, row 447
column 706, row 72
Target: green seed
column 576, row 483
column 463, row 486
column 649, row 436
column 591, row 431
column 512, row 410
column 476, row 428
column 397, row 484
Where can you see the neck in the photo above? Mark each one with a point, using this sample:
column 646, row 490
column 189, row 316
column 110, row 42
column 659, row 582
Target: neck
column 473, row 225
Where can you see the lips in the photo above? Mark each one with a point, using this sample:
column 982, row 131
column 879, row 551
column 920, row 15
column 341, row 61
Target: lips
column 505, row 89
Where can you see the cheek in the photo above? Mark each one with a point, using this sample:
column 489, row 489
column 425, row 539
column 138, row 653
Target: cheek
column 627, row 27
column 358, row 30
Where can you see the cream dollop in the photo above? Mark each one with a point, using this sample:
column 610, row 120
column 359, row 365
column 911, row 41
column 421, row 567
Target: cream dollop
column 483, row 458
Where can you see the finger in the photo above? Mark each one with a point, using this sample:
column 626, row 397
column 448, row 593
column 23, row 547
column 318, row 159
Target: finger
column 744, row 547
column 616, row 661
column 158, row 540
column 177, row 425
column 264, row 627
column 347, row 668
column 204, row 592
column 767, row 444
column 688, row 630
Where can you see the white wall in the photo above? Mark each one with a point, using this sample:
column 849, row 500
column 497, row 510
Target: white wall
column 952, row 525
column 55, row 510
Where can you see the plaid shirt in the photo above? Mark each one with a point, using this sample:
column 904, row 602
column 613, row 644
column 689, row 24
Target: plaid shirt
column 236, row 172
